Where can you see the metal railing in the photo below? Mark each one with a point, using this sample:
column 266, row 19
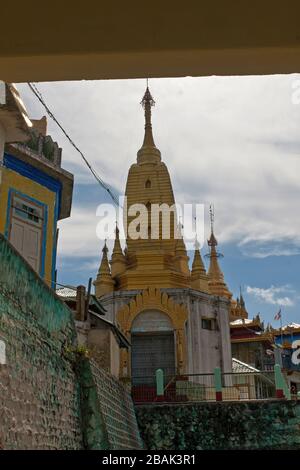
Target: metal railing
column 204, row 387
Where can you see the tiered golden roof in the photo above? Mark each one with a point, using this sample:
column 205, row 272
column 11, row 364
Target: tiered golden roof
column 159, row 261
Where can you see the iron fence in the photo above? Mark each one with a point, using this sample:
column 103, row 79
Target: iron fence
column 201, row 387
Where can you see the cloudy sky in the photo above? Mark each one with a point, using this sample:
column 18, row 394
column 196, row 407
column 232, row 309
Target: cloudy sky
column 230, row 141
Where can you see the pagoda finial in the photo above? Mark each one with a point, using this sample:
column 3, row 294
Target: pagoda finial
column 212, row 216
column 212, row 241
column 147, row 102
column 148, row 152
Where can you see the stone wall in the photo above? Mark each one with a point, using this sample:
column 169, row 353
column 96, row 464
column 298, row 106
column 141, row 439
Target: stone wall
column 39, row 393
column 108, row 412
column 213, row 426
column 44, row 379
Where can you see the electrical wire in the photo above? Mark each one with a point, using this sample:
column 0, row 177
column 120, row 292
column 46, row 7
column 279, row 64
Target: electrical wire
column 39, row 96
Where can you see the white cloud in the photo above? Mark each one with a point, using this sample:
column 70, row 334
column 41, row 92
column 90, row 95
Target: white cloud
column 78, row 234
column 272, row 295
column 260, row 248
column 233, row 141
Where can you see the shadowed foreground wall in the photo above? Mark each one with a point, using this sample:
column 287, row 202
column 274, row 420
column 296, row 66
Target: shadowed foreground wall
column 212, row 426
column 44, row 402
column 109, row 420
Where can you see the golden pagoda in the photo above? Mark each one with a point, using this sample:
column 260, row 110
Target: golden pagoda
column 169, row 312
column 104, row 283
column 161, row 261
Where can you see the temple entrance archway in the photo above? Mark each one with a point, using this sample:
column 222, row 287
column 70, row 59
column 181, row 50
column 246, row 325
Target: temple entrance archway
column 152, row 346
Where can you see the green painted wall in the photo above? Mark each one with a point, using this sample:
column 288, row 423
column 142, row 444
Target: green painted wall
column 212, row 426
column 50, row 396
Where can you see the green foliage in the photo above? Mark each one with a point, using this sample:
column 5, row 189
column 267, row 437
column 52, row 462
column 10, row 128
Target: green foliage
column 73, row 353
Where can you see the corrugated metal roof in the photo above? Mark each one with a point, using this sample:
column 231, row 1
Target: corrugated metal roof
column 291, row 326
column 243, row 321
column 70, row 293
column 67, row 292
column 242, row 367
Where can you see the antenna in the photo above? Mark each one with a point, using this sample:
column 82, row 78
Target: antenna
column 212, row 242
column 212, row 217
column 196, row 244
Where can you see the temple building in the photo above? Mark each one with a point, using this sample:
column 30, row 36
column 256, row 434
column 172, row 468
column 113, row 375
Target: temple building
column 175, row 318
column 252, row 343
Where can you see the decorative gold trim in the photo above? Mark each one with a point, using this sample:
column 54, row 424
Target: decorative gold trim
column 152, row 298
column 253, row 339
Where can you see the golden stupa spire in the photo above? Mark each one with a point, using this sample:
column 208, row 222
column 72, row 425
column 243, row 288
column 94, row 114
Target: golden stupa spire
column 159, row 261
column 238, row 308
column 148, row 151
column 181, row 256
column 147, row 102
column 104, row 282
column 118, row 262
column 242, row 301
column 199, row 278
column 217, row 284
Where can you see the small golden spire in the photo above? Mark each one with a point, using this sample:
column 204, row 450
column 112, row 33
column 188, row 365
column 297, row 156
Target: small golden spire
column 117, row 245
column 181, row 257
column 104, row 266
column 198, row 265
column 180, row 248
column 118, row 262
column 104, row 283
column 238, row 309
column 199, row 278
column 242, row 302
column 217, row 284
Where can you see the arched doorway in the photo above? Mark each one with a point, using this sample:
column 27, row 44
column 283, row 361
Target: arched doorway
column 152, row 346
